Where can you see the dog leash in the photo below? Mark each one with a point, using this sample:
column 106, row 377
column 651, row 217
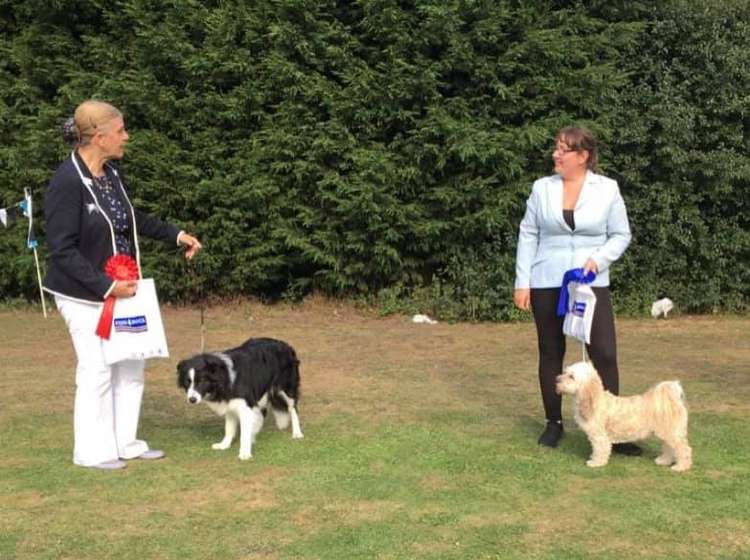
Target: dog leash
column 196, row 287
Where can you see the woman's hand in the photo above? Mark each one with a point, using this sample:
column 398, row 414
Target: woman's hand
column 124, row 288
column 522, row 298
column 192, row 244
column 590, row 266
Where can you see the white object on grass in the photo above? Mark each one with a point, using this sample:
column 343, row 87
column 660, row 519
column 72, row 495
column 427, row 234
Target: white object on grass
column 661, row 307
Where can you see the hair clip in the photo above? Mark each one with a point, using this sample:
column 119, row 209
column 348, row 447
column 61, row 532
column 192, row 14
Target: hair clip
column 70, row 131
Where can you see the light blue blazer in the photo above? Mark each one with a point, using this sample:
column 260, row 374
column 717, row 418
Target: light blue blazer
column 547, row 247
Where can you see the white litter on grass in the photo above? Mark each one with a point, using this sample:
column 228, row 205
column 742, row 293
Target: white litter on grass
column 419, row 318
column 661, row 307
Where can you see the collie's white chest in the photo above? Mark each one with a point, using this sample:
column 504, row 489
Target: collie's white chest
column 219, row 408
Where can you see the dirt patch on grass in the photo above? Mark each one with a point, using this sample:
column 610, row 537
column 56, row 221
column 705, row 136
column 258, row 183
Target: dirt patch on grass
column 435, row 483
column 565, row 512
column 25, row 500
column 248, row 493
column 345, row 513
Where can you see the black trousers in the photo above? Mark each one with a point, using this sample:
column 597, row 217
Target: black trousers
column 602, row 350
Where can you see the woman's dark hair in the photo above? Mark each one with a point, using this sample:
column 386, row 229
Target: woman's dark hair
column 578, row 138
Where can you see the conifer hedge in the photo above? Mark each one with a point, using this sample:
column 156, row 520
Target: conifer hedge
column 386, row 148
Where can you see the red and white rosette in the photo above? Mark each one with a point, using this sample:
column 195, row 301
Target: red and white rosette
column 118, row 267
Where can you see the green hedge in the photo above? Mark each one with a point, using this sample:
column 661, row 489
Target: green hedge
column 386, row 148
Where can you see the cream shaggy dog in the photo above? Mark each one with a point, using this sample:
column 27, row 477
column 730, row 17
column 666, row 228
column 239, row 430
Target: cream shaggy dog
column 608, row 419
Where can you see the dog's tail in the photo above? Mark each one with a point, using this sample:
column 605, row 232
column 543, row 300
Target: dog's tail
column 670, row 392
column 670, row 406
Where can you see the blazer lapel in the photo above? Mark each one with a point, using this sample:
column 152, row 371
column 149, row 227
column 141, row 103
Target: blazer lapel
column 587, row 190
column 556, row 201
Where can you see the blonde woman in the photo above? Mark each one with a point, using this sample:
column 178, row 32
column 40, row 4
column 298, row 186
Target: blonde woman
column 89, row 218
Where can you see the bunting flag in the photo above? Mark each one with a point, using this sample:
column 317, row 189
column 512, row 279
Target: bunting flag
column 27, row 209
column 10, row 215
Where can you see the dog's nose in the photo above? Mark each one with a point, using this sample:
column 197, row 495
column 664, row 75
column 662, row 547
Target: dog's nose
column 193, row 400
column 558, row 381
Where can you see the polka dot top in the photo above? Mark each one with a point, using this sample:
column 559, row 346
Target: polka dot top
column 114, row 206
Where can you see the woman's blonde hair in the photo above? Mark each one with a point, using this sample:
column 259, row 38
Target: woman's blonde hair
column 578, row 138
column 91, row 116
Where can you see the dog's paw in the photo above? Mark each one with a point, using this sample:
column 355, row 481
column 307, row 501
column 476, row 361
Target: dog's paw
column 595, row 464
column 245, row 456
column 681, row 467
column 298, row 436
column 221, row 446
column 663, row 461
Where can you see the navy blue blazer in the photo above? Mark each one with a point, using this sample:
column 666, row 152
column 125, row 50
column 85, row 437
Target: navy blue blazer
column 80, row 235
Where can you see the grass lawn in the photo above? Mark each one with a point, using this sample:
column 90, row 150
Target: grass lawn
column 420, row 442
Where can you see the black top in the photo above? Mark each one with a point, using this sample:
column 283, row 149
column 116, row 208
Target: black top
column 114, row 206
column 568, row 217
column 79, row 237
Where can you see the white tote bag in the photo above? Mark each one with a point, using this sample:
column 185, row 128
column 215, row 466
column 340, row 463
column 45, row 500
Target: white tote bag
column 137, row 329
column 580, row 313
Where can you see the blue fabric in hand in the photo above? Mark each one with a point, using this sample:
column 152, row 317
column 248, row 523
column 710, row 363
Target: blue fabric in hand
column 572, row 275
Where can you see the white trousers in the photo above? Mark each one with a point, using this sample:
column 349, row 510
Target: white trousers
column 108, row 398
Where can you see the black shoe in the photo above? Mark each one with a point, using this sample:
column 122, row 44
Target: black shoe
column 627, row 449
column 551, row 435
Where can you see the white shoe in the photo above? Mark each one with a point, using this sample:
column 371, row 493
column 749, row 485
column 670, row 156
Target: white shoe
column 151, row 455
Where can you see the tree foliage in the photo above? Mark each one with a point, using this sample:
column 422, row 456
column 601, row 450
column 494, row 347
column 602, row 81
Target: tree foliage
column 372, row 146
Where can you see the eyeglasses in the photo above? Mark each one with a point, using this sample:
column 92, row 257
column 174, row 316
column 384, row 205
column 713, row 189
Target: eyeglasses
column 562, row 150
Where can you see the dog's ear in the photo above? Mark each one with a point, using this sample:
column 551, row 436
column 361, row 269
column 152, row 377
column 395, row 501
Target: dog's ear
column 182, row 370
column 215, row 367
column 586, row 396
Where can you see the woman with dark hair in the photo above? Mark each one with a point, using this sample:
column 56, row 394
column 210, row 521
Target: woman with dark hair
column 89, row 219
column 575, row 218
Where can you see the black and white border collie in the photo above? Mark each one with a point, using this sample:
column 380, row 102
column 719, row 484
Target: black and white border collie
column 241, row 383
